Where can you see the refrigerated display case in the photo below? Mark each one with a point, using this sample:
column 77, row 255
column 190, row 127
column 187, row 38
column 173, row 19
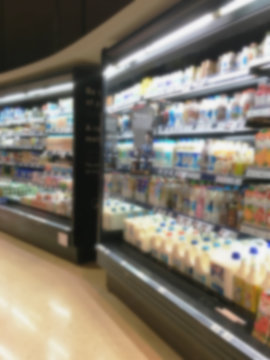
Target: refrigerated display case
column 184, row 229
column 49, row 162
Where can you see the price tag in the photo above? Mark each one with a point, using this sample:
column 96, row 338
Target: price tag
column 229, row 180
column 258, row 173
column 193, row 175
column 62, row 239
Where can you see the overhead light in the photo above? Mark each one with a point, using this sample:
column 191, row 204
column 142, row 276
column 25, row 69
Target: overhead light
column 158, row 46
column 182, row 32
column 12, row 98
column 233, row 6
column 37, row 93
column 58, row 88
column 111, row 71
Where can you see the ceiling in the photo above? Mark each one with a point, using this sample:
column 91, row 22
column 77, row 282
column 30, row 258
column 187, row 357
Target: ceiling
column 33, row 30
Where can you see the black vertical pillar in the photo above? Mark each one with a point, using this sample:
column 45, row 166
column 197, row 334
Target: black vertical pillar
column 87, row 167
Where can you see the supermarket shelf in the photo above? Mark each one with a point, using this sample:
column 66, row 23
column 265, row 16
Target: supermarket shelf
column 62, row 132
column 212, row 85
column 219, row 179
column 260, row 112
column 256, row 231
column 181, row 173
column 22, row 122
column 258, row 173
column 224, row 129
column 55, row 221
column 261, row 64
column 25, row 135
column 22, row 165
column 22, row 135
column 184, row 218
column 180, row 310
column 49, row 232
column 23, row 148
column 114, row 109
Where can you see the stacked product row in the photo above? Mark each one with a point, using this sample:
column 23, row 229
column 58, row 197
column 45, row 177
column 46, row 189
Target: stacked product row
column 55, row 201
column 43, row 175
column 237, row 270
column 208, row 72
column 214, row 156
column 220, row 205
column 208, row 113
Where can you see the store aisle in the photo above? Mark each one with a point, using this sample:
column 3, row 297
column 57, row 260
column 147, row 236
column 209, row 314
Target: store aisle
column 51, row 309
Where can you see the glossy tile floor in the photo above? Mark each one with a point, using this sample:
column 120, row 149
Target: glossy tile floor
column 51, row 309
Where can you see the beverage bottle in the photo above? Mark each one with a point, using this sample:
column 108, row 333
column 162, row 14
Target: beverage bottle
column 156, row 242
column 178, row 252
column 189, row 257
column 240, row 282
column 202, row 266
column 254, row 280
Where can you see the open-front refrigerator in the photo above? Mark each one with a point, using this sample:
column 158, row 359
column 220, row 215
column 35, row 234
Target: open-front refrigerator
column 184, row 236
column 49, row 131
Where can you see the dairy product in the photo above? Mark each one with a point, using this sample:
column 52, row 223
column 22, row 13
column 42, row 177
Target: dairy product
column 224, row 265
column 254, row 280
column 189, row 257
column 115, row 212
column 202, row 266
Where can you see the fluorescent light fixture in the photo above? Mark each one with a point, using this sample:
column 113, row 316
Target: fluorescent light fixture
column 58, row 88
column 37, row 93
column 12, row 98
column 157, row 46
column 233, row 6
column 182, row 32
column 111, row 71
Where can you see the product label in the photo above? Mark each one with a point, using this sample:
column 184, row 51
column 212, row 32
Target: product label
column 239, row 290
column 251, row 298
column 217, row 278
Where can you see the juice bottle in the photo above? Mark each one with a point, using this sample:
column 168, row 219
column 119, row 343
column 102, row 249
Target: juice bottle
column 224, row 265
column 240, row 282
column 189, row 257
column 166, row 249
column 254, row 280
column 202, row 266
column 155, row 242
column 178, row 252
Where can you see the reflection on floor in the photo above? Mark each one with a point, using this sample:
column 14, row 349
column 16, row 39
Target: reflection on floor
column 51, row 309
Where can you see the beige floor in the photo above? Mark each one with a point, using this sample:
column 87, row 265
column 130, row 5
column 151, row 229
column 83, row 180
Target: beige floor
column 51, row 309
